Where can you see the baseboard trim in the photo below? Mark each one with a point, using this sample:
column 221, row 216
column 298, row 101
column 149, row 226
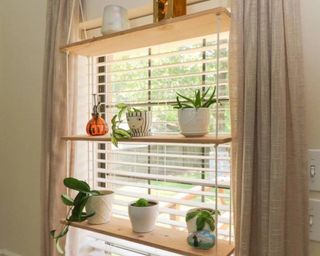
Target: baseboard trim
column 5, row 252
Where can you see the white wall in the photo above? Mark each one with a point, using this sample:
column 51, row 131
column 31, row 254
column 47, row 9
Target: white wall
column 311, row 41
column 21, row 49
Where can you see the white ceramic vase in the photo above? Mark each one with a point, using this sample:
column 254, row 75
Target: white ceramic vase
column 115, row 19
column 140, row 123
column 102, row 206
column 194, row 122
column 143, row 219
column 192, row 224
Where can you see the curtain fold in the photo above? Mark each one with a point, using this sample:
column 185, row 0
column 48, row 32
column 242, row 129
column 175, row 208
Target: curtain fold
column 270, row 182
column 58, row 116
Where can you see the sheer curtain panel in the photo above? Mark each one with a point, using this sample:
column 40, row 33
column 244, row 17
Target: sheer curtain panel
column 267, row 98
column 58, row 100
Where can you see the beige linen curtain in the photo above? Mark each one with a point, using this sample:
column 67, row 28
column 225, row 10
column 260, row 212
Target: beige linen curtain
column 267, row 101
column 56, row 122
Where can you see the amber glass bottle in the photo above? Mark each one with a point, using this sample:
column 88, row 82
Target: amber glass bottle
column 96, row 126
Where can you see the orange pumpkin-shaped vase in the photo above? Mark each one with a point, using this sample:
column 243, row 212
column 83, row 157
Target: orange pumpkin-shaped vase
column 96, row 126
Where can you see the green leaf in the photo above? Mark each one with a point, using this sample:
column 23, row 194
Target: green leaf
column 95, row 193
column 211, row 99
column 205, row 94
column 58, row 246
column 63, row 232
column 114, row 141
column 200, row 222
column 85, row 216
column 123, row 133
column 136, row 110
column 52, row 233
column 113, row 120
column 191, row 215
column 67, row 200
column 197, row 101
column 121, row 106
column 178, row 102
column 211, row 222
column 206, row 214
column 76, row 184
column 186, row 98
column 79, row 204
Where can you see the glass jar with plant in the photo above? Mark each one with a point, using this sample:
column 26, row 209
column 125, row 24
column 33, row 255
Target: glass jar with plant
column 193, row 113
column 98, row 206
column 201, row 227
column 143, row 214
column 139, row 122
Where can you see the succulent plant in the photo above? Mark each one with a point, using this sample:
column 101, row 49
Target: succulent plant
column 199, row 101
column 141, row 203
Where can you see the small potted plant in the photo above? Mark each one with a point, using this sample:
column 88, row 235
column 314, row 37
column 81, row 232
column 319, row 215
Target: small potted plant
column 201, row 226
column 139, row 122
column 97, row 203
column 193, row 113
column 143, row 214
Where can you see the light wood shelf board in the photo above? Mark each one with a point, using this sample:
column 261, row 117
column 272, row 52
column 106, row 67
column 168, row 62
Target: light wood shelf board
column 208, row 139
column 167, row 239
column 180, row 28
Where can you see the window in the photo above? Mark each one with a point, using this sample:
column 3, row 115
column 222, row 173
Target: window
column 179, row 176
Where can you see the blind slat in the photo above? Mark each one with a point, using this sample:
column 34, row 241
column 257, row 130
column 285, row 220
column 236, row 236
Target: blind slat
column 167, row 178
column 174, row 167
column 164, row 54
column 166, row 188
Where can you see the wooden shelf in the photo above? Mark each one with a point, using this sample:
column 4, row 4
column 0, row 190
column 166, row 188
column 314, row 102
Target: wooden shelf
column 208, row 139
column 180, row 28
column 167, row 239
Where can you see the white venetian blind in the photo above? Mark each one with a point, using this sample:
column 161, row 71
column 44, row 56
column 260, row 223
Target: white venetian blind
column 179, row 176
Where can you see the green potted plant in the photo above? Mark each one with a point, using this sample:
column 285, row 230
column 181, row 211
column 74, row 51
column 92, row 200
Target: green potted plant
column 97, row 203
column 143, row 214
column 193, row 113
column 139, row 122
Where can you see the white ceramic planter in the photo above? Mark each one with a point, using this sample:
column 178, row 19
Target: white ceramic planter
column 194, row 122
column 140, row 123
column 102, row 206
column 143, row 219
column 115, row 19
column 192, row 224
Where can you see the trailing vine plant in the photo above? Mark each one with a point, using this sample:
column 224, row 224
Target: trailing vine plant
column 76, row 211
column 117, row 132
